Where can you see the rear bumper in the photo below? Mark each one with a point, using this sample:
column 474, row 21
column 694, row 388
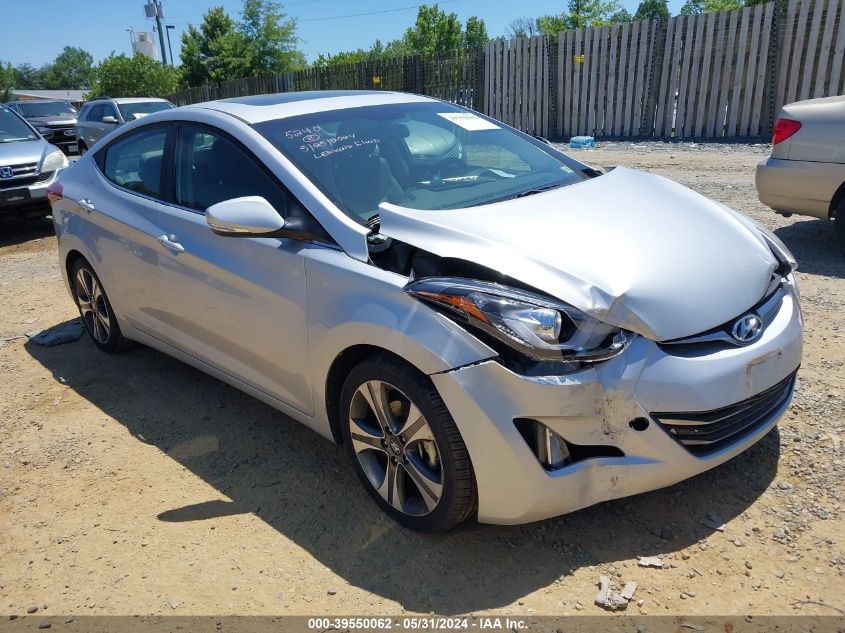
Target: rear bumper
column 595, row 406
column 795, row 186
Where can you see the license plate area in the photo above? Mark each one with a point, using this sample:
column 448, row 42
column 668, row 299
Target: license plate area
column 15, row 196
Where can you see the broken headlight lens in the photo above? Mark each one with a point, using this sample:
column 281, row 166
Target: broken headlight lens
column 538, row 327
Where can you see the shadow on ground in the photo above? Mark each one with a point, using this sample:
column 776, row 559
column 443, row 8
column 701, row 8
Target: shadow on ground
column 302, row 486
column 814, row 244
column 13, row 231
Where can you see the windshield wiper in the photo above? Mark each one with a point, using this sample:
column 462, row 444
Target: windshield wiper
column 533, row 190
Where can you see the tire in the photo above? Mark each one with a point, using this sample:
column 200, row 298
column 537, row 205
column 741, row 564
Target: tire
column 434, row 485
column 95, row 309
column 81, row 147
column 839, row 225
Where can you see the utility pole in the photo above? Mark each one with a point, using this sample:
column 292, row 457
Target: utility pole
column 170, row 27
column 153, row 9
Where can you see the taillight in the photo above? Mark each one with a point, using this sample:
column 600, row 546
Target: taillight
column 55, row 192
column 784, row 128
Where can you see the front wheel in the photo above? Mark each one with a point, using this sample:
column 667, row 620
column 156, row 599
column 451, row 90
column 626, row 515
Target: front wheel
column 405, row 446
column 81, row 147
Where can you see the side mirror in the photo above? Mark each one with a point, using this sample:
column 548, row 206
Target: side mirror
column 253, row 216
column 109, row 119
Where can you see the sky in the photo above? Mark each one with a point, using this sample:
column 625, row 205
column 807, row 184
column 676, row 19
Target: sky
column 35, row 32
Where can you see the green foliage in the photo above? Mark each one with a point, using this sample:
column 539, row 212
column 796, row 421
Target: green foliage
column 652, row 10
column 475, row 33
column 30, row 77
column 580, row 14
column 622, row 15
column 7, row 80
column 137, row 76
column 269, row 41
column 434, row 31
column 263, row 41
column 72, row 69
column 697, row 7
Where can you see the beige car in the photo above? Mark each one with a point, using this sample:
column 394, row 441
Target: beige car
column 806, row 172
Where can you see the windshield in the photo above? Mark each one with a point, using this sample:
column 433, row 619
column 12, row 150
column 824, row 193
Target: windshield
column 419, row 155
column 13, row 129
column 48, row 108
column 129, row 110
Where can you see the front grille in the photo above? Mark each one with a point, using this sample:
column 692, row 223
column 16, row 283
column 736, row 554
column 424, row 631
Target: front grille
column 21, row 170
column 705, row 432
column 25, row 181
column 65, row 134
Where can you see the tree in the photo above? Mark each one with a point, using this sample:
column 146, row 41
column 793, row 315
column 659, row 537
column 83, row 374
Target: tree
column 434, row 32
column 652, row 10
column 137, row 76
column 28, row 76
column 696, row 7
column 72, row 69
column 269, row 40
column 622, row 15
column 475, row 33
column 580, row 14
column 200, row 48
column 7, row 80
column 522, row 27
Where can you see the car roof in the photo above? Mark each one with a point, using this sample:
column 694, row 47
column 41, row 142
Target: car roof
column 259, row 108
column 26, row 101
column 138, row 99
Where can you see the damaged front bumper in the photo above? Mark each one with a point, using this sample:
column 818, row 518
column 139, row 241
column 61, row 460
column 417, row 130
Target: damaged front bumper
column 612, row 405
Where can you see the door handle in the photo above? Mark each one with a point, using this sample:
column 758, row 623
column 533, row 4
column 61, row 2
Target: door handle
column 171, row 242
column 86, row 204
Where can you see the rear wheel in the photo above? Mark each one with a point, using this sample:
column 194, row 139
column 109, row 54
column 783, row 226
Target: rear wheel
column 405, row 446
column 95, row 309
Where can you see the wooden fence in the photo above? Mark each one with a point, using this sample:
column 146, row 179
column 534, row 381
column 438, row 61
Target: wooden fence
column 714, row 76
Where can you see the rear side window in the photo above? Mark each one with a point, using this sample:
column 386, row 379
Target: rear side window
column 210, row 168
column 135, row 161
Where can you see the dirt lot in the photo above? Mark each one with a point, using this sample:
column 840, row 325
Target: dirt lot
column 135, row 484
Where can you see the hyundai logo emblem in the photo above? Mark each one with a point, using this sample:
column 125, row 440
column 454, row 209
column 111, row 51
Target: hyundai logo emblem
column 6, row 172
column 747, row 329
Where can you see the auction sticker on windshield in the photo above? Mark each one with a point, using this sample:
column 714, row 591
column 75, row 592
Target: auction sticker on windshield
column 469, row 121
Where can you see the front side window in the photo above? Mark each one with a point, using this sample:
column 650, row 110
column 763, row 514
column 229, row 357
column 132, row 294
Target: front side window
column 96, row 113
column 134, row 161
column 12, row 129
column 419, row 155
column 131, row 111
column 210, row 168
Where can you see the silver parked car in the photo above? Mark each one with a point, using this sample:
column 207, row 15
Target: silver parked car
column 806, row 172
column 28, row 165
column 100, row 116
column 491, row 328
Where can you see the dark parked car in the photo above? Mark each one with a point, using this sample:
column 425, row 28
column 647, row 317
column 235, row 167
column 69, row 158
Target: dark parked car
column 55, row 120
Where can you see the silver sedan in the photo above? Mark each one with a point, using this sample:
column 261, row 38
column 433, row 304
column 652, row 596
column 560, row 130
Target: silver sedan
column 492, row 329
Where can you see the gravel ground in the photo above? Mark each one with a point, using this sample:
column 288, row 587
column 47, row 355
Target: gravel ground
column 133, row 484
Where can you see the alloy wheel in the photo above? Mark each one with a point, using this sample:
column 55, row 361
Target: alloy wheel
column 395, row 447
column 92, row 305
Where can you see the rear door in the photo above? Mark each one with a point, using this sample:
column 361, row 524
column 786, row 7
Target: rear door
column 237, row 304
column 122, row 207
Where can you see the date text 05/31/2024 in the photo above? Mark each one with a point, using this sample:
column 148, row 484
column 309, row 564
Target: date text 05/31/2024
column 416, row 623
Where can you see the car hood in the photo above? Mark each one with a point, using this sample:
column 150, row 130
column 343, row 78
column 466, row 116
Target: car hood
column 23, row 152
column 632, row 249
column 61, row 119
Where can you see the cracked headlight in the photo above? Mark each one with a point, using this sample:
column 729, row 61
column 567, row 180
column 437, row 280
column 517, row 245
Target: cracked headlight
column 53, row 161
column 538, row 327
